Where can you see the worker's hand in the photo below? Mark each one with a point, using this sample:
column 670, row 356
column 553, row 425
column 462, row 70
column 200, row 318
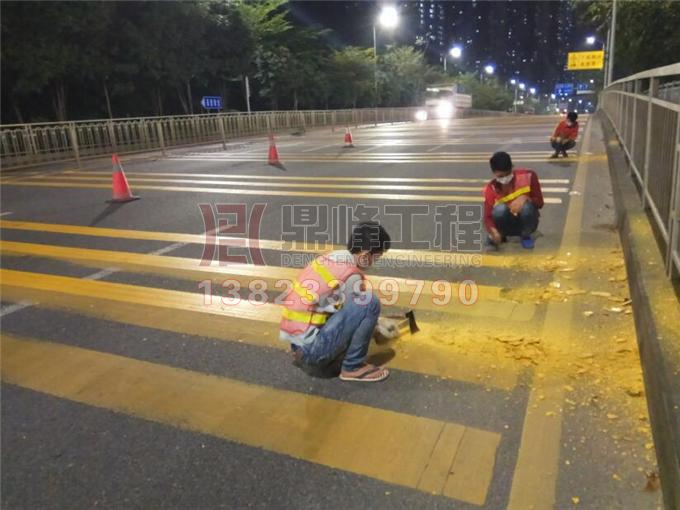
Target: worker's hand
column 387, row 328
column 495, row 236
column 552, row 139
column 517, row 204
column 558, row 139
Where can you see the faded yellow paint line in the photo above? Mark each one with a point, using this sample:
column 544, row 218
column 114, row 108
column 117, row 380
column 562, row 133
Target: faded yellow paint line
column 438, row 468
column 386, row 445
column 191, row 268
column 469, row 474
column 403, row 256
column 223, row 182
column 535, row 479
column 256, row 324
column 288, row 193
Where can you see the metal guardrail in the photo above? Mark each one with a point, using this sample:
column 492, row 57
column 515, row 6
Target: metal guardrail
column 27, row 144
column 31, row 144
column 648, row 128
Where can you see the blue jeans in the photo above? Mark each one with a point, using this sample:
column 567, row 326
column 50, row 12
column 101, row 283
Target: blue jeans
column 569, row 144
column 524, row 224
column 345, row 336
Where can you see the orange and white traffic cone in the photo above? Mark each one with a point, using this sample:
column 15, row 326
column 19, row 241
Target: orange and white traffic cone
column 121, row 188
column 348, row 139
column 273, row 158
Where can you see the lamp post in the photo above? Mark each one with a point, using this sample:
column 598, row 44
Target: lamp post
column 590, row 41
column 388, row 18
column 455, row 53
column 513, row 82
column 488, row 69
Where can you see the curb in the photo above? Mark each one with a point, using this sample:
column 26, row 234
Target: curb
column 656, row 312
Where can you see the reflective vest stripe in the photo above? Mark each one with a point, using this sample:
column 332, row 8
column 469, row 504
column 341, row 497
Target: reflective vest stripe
column 303, row 292
column 316, row 319
column 513, row 195
column 324, row 273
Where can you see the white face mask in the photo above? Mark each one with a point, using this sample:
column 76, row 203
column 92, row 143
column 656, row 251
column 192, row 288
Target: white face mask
column 505, row 179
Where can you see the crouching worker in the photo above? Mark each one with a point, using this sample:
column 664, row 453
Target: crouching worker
column 329, row 317
column 511, row 202
column 564, row 137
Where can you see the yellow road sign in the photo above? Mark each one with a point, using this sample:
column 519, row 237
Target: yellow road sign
column 581, row 60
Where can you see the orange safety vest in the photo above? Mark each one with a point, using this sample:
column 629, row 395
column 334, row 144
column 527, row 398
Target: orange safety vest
column 314, row 282
column 522, row 186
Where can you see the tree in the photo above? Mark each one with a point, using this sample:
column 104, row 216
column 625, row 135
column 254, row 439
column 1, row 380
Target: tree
column 637, row 46
column 487, row 95
column 403, row 73
column 351, row 72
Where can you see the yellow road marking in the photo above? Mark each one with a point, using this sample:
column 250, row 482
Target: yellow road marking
column 386, row 445
column 301, row 178
column 474, row 461
column 535, row 478
column 290, row 193
column 437, row 258
column 223, row 182
column 257, row 324
column 192, row 268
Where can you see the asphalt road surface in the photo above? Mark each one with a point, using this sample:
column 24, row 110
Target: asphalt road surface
column 141, row 366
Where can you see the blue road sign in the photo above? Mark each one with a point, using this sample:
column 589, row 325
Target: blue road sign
column 564, row 89
column 211, row 102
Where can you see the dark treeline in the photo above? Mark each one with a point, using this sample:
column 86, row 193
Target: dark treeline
column 78, row 60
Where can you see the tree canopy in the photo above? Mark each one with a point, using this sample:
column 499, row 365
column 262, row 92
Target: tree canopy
column 64, row 60
column 646, row 32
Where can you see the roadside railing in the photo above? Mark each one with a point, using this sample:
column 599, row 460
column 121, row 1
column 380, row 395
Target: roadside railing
column 647, row 123
column 31, row 144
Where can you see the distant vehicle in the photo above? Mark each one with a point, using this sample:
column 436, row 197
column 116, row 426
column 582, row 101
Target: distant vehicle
column 442, row 101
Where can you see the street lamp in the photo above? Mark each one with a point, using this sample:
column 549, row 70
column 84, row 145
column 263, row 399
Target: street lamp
column 513, row 82
column 455, row 52
column 590, row 40
column 532, row 91
column 388, row 18
column 489, row 69
column 522, row 86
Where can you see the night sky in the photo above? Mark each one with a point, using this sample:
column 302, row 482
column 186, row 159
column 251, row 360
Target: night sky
column 524, row 39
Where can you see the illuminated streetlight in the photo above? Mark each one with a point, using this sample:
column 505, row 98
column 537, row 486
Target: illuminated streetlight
column 532, row 90
column 489, row 69
column 389, row 18
column 590, row 40
column 522, row 86
column 552, row 96
column 513, row 81
column 455, row 52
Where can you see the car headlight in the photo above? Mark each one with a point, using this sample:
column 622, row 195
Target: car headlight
column 421, row 115
column 444, row 109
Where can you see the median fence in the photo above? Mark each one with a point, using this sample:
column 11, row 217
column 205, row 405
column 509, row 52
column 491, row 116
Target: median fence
column 647, row 123
column 30, row 144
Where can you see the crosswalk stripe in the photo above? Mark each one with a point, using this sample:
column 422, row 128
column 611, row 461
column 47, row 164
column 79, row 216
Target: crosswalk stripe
column 403, row 256
column 310, row 178
column 192, row 268
column 224, row 182
column 386, row 445
column 378, row 158
column 257, row 192
column 257, row 324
